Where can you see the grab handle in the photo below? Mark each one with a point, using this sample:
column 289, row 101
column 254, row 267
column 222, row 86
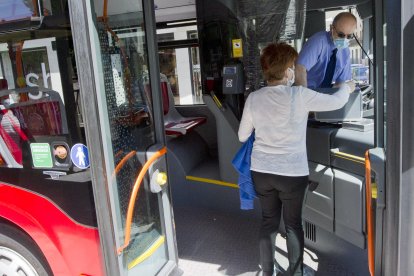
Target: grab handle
column 375, row 162
column 131, row 205
column 370, row 222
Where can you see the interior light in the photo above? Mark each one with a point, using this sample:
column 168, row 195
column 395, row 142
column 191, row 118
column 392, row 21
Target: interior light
column 181, row 22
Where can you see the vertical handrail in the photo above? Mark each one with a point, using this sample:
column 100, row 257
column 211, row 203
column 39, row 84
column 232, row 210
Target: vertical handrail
column 370, row 230
column 105, row 9
column 36, row 8
column 131, row 205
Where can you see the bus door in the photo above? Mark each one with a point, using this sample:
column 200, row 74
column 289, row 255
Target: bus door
column 116, row 51
column 47, row 216
column 375, row 159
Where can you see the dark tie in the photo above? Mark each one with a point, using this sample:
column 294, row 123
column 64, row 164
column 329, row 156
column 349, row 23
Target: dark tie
column 330, row 70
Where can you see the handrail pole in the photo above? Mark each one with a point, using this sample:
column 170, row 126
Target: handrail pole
column 370, row 230
column 131, row 205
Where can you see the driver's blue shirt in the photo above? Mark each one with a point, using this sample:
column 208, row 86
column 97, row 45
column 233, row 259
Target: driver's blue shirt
column 315, row 56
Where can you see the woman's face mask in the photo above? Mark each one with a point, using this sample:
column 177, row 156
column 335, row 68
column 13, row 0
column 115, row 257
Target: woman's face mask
column 291, row 77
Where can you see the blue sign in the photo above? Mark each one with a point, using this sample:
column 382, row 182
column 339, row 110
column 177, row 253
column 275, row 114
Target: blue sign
column 80, row 156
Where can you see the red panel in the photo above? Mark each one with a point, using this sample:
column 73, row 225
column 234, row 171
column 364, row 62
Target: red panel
column 3, row 84
column 70, row 248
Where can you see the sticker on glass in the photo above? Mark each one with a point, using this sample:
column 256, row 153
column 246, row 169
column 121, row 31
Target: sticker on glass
column 41, row 155
column 80, row 156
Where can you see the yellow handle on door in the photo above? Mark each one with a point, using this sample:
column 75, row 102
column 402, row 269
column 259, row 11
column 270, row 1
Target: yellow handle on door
column 162, row 178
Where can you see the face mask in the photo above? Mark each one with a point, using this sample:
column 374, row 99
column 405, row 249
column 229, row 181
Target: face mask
column 291, row 81
column 341, row 43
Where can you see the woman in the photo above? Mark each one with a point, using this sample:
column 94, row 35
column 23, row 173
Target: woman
column 278, row 113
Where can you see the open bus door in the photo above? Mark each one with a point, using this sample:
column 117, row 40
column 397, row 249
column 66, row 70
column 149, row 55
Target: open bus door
column 47, row 215
column 58, row 140
column 118, row 68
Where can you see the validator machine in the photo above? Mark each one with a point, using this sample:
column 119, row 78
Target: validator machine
column 233, row 87
column 351, row 111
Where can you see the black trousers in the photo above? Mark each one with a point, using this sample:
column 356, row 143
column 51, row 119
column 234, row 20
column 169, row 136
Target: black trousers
column 275, row 192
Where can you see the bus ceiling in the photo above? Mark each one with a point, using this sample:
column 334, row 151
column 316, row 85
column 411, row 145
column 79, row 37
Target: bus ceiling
column 321, row 5
column 165, row 10
column 176, row 10
column 31, row 22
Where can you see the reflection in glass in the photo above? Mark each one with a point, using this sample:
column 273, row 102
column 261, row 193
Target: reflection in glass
column 36, row 64
column 15, row 10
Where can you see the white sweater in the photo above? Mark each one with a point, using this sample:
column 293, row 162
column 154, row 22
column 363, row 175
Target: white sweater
column 279, row 115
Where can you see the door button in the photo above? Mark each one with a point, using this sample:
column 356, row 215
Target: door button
column 158, row 179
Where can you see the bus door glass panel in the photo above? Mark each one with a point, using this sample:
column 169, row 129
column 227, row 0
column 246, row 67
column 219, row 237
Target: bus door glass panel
column 36, row 95
column 124, row 96
column 36, row 62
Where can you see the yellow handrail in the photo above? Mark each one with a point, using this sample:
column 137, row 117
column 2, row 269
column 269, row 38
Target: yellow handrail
column 348, row 156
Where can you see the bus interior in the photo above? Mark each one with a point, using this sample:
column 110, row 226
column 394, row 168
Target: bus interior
column 203, row 45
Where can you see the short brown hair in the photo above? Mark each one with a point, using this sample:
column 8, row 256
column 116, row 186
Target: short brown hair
column 275, row 59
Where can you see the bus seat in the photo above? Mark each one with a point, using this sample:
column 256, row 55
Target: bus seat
column 175, row 124
column 9, row 131
column 20, row 122
column 227, row 139
column 10, row 137
column 3, row 84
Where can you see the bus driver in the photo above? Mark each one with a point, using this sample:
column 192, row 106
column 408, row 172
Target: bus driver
column 325, row 57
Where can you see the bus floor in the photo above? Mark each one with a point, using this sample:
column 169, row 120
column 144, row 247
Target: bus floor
column 213, row 243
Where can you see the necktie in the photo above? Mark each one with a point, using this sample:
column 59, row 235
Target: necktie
column 330, row 70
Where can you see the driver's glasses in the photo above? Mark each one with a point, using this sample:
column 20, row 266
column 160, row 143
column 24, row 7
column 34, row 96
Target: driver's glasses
column 342, row 35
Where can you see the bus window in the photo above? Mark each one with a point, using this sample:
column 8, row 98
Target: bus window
column 180, row 62
column 35, row 61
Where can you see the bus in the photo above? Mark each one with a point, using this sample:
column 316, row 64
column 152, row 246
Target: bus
column 119, row 122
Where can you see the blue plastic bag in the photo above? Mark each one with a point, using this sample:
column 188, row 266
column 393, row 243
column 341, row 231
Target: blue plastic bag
column 242, row 162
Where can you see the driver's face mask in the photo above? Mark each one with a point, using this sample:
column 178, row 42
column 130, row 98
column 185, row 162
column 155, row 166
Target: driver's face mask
column 341, row 43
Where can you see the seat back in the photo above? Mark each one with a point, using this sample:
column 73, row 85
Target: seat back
column 172, row 115
column 167, row 98
column 21, row 122
column 174, row 122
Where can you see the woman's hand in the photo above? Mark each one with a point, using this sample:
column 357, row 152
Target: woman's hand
column 351, row 85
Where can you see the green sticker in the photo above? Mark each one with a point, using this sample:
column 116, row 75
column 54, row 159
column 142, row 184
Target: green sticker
column 41, row 155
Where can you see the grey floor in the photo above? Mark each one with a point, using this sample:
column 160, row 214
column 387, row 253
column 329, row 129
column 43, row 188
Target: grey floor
column 213, row 243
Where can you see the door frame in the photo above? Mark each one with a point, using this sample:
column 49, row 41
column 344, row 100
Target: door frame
column 398, row 235
column 80, row 23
